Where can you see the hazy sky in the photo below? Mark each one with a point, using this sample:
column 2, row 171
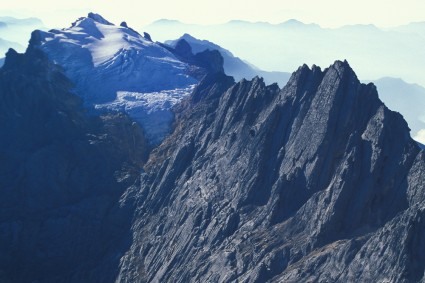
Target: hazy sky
column 328, row 13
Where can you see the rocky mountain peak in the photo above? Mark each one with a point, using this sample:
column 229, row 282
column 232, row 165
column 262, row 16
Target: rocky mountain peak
column 12, row 58
column 90, row 21
column 35, row 39
column 33, row 63
column 267, row 183
column 114, row 68
column 147, row 36
column 125, row 25
column 98, row 18
column 183, row 48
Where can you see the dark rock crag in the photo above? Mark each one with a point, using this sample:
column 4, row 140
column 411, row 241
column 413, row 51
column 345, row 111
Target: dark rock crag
column 201, row 63
column 62, row 174
column 317, row 182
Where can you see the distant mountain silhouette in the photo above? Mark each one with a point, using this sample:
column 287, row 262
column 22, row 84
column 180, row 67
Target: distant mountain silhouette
column 17, row 32
column 11, row 21
column 5, row 45
column 413, row 28
column 372, row 51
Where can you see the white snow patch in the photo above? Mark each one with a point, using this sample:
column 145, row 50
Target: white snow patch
column 113, row 41
column 115, row 68
column 152, row 110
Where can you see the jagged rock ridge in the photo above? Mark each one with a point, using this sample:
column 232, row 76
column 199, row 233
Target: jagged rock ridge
column 317, row 182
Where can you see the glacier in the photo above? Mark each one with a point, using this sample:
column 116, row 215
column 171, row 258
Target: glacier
column 114, row 68
column 152, row 109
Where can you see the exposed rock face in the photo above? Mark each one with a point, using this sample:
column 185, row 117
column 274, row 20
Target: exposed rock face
column 61, row 177
column 317, row 182
column 147, row 36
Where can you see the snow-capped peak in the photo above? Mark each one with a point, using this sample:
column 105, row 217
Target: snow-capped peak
column 90, row 19
column 103, row 59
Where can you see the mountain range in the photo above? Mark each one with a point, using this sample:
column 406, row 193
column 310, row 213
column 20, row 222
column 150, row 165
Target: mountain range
column 395, row 52
column 417, row 28
column 233, row 66
column 15, row 33
column 392, row 90
column 408, row 99
column 313, row 181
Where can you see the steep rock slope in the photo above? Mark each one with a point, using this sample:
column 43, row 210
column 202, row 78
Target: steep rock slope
column 61, row 176
column 317, row 182
column 116, row 68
